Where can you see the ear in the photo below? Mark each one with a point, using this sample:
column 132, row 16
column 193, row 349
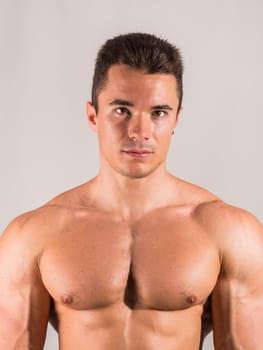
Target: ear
column 92, row 116
column 178, row 117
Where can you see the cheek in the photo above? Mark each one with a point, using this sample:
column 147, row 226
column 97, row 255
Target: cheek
column 106, row 132
column 117, row 131
column 163, row 132
column 109, row 137
column 163, row 139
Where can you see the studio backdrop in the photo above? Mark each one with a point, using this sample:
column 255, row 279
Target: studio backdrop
column 47, row 58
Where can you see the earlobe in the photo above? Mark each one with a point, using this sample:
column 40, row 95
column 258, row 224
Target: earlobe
column 92, row 116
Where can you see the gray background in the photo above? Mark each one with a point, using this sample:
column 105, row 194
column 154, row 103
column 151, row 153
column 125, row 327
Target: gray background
column 47, row 56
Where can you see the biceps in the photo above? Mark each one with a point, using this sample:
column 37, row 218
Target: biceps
column 237, row 319
column 24, row 311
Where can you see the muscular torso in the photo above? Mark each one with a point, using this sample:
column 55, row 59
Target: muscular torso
column 128, row 285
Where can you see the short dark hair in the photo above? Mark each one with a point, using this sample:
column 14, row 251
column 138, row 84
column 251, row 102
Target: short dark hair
column 141, row 51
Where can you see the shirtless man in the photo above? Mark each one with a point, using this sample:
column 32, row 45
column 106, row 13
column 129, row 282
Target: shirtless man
column 136, row 258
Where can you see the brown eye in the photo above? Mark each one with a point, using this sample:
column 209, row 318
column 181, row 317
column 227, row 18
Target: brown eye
column 159, row 113
column 122, row 111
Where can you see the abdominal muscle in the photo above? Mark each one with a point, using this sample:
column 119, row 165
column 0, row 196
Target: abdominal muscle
column 117, row 327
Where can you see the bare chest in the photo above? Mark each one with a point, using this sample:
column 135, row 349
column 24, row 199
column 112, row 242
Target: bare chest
column 157, row 263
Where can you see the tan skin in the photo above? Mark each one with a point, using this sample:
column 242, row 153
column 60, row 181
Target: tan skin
column 135, row 258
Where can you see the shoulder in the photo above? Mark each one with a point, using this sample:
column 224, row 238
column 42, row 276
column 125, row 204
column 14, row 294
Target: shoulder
column 73, row 198
column 21, row 225
column 225, row 219
column 226, row 222
column 20, row 247
column 41, row 223
column 238, row 234
column 23, row 232
column 33, row 228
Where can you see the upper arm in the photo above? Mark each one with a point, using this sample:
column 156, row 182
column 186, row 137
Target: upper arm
column 237, row 300
column 24, row 301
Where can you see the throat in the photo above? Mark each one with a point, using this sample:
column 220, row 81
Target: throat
column 134, row 196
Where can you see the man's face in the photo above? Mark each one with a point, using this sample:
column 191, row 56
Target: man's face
column 137, row 114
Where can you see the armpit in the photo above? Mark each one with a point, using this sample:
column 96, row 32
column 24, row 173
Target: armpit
column 53, row 316
column 207, row 324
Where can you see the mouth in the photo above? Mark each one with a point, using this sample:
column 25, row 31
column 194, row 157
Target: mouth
column 136, row 153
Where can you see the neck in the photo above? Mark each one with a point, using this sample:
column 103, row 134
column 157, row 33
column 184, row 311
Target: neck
column 132, row 197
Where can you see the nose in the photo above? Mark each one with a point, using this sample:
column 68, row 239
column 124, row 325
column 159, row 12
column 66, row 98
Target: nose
column 140, row 127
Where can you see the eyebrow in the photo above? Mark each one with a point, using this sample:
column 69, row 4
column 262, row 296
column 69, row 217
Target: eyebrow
column 130, row 104
column 163, row 107
column 121, row 102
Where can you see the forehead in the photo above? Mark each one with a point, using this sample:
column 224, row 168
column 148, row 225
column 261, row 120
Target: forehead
column 128, row 83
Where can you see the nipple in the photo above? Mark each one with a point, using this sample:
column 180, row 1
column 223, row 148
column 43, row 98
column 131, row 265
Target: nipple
column 67, row 299
column 191, row 299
